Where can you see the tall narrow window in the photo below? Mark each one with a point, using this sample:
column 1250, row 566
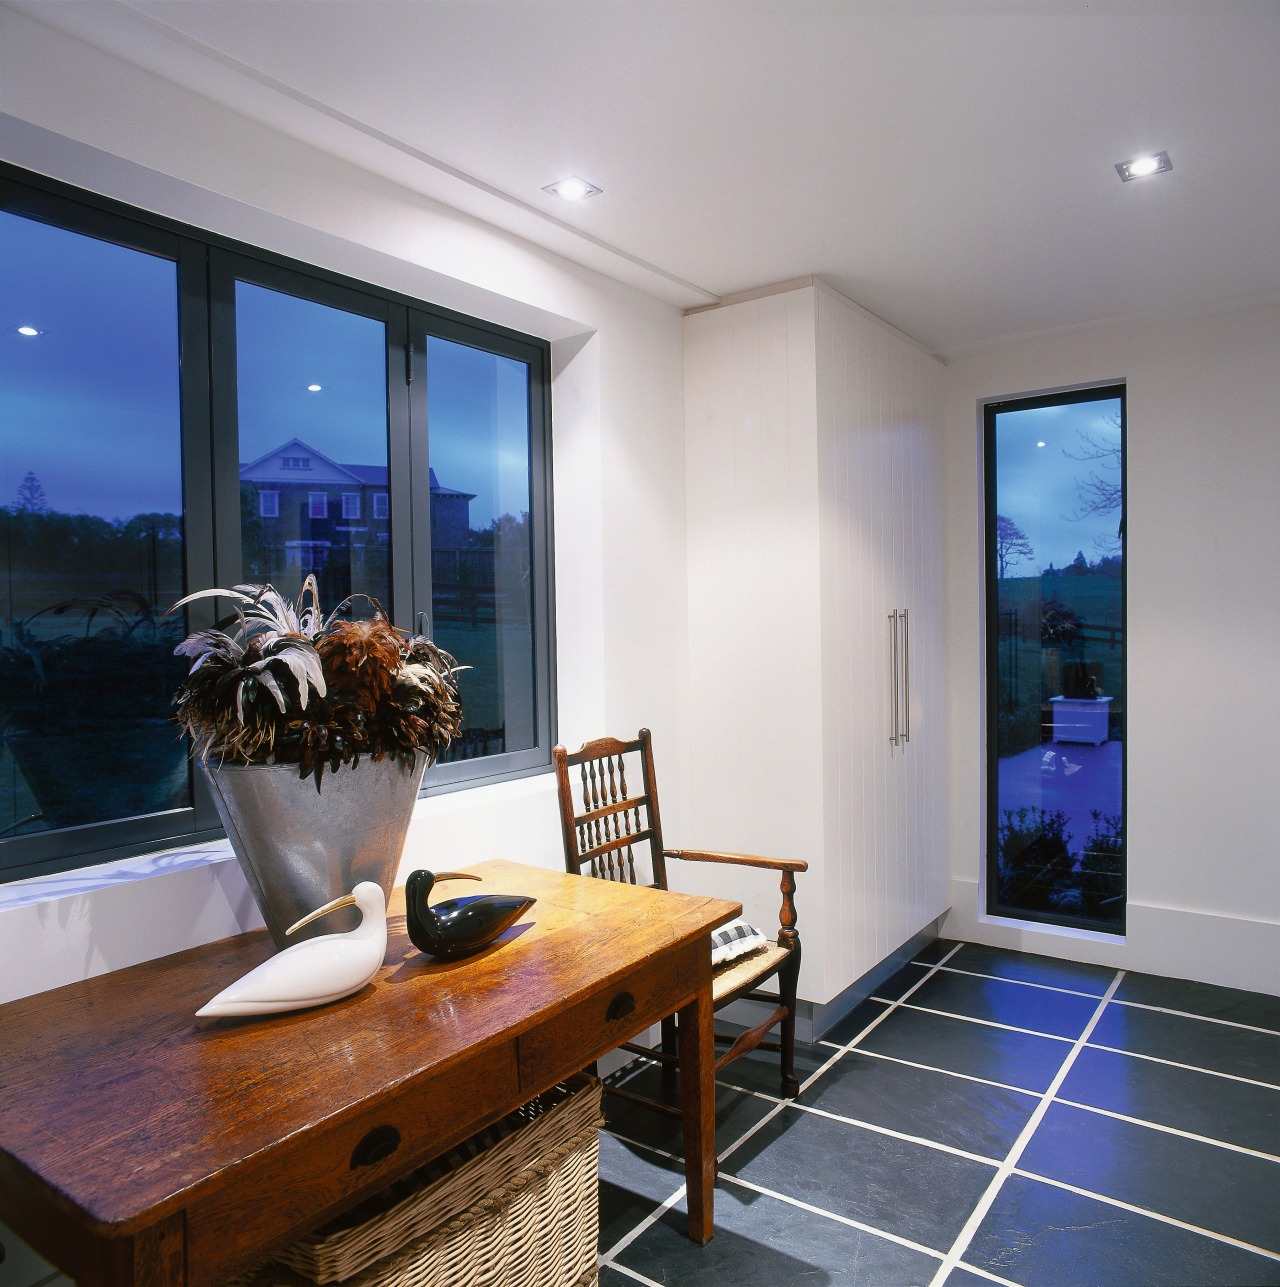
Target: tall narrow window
column 91, row 516
column 1056, row 658
column 311, row 388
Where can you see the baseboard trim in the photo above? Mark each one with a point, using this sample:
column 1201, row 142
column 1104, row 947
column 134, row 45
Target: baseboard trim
column 1206, row 947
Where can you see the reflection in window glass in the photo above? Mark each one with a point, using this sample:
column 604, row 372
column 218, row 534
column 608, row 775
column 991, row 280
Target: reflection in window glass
column 90, row 511
column 482, row 605
column 1056, row 648
column 312, row 398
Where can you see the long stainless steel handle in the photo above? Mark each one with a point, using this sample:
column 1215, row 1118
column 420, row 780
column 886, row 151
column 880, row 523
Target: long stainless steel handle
column 893, row 669
column 906, row 678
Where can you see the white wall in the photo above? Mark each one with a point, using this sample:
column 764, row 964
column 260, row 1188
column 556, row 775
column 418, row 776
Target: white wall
column 1203, row 555
column 80, row 115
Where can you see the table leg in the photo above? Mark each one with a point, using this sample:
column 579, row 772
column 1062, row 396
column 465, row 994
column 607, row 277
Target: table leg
column 698, row 1102
column 159, row 1254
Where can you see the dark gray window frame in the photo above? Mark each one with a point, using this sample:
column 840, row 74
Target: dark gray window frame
column 208, row 266
column 990, row 410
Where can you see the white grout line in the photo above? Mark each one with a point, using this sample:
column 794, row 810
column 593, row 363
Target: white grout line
column 601, row 1262
column 897, row 1135
column 979, row 1272
column 1025, row 983
column 1144, row 1211
column 1171, row 1130
column 1005, row 1169
column 949, row 1072
column 1204, row 1018
column 1173, row 1063
column 986, row 1023
column 832, row 1215
column 893, row 1005
column 651, row 1219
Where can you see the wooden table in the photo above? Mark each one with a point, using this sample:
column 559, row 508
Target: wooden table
column 139, row 1144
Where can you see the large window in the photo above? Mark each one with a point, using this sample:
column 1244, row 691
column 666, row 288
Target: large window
column 1056, row 658
column 180, row 412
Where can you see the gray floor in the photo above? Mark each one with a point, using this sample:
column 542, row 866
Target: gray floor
column 989, row 1116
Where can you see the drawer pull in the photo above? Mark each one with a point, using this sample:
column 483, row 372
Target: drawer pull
column 380, row 1143
column 621, row 1006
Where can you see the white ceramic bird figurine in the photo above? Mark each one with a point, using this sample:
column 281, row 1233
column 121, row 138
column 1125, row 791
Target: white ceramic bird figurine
column 316, row 971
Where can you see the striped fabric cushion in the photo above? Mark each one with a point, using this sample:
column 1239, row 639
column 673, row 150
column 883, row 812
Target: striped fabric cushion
column 733, row 940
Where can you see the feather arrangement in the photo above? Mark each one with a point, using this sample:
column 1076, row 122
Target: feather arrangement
column 282, row 683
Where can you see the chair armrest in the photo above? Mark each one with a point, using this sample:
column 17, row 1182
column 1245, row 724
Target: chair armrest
column 738, row 860
column 787, row 934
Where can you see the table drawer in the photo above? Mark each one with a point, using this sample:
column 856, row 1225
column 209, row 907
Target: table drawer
column 302, row 1184
column 613, row 1014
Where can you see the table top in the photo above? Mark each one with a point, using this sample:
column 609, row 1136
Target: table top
column 123, row 1106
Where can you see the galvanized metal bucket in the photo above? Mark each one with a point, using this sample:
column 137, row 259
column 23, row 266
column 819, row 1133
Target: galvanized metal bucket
column 299, row 848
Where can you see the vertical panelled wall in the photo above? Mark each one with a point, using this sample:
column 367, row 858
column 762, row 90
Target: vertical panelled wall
column 812, row 493
column 754, row 605
column 879, row 408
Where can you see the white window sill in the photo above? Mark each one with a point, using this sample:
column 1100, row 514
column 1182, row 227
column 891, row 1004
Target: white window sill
column 88, row 880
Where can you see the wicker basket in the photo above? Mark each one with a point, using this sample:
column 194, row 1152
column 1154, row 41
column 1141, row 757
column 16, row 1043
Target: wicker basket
column 516, row 1206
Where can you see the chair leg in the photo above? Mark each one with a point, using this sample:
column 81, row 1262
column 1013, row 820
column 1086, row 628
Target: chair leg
column 788, row 978
column 670, row 1045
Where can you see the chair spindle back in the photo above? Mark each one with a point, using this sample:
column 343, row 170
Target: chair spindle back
column 606, row 829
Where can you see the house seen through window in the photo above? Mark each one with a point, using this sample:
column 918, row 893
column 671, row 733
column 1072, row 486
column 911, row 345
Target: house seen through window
column 321, row 428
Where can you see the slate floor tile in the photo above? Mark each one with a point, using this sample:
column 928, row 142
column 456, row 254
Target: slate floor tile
column 759, row 1070
column 763, row 1242
column 1160, row 1172
column 895, row 1176
column 935, row 951
column 1042, row 1236
column 21, row 1265
column 938, row 1106
column 893, row 988
column 855, row 1022
column 1252, row 1008
column 1201, row 1103
column 1217, row 1047
column 633, row 1184
column 1058, row 1014
column 960, row 1276
column 901, row 1187
column 1016, row 1059
column 736, row 1112
column 610, row 1277
column 1030, row 968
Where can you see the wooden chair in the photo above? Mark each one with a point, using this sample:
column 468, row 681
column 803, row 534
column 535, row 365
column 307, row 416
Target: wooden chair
column 608, row 832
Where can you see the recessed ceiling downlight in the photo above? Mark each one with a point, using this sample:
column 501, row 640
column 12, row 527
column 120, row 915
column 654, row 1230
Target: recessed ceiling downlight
column 1139, row 167
column 572, row 189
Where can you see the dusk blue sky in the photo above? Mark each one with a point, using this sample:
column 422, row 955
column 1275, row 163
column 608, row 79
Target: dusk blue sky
column 1038, row 487
column 91, row 403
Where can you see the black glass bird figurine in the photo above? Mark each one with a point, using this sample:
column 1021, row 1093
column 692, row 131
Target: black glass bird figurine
column 458, row 926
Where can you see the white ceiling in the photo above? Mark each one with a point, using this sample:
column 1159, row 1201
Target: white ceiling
column 946, row 164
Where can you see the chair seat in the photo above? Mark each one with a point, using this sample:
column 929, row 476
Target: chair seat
column 740, row 973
